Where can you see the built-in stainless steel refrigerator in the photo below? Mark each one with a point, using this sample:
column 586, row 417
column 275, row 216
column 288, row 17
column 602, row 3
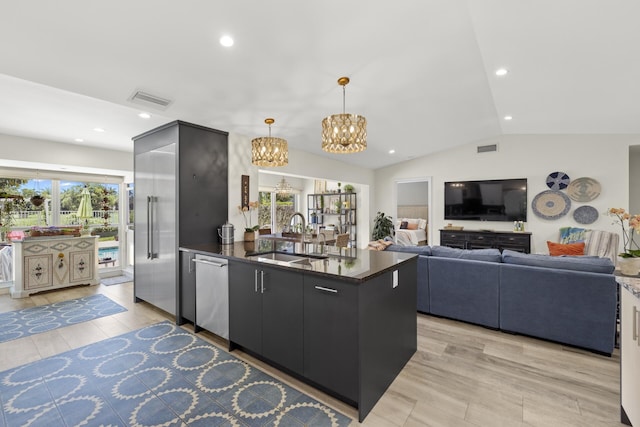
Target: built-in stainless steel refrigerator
column 180, row 186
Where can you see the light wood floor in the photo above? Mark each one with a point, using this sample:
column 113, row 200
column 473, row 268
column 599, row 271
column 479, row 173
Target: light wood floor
column 462, row 375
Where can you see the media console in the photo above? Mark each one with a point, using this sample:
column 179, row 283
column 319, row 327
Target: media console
column 481, row 239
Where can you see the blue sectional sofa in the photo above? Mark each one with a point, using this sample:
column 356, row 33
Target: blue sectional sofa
column 571, row 300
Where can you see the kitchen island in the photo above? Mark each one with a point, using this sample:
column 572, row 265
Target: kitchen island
column 340, row 319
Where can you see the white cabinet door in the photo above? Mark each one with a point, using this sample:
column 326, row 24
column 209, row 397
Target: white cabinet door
column 630, row 355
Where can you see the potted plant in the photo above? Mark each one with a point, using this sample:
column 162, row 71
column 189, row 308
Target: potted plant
column 338, row 204
column 349, row 188
column 105, row 231
column 382, row 226
column 249, row 230
column 339, row 184
column 629, row 259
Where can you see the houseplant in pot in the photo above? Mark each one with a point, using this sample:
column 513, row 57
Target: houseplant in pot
column 382, row 226
column 249, row 230
column 629, row 260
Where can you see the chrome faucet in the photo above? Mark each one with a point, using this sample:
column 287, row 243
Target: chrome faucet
column 304, row 226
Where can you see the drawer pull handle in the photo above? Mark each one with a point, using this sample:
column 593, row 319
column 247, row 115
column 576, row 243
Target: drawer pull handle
column 203, row 261
column 255, row 279
column 322, row 288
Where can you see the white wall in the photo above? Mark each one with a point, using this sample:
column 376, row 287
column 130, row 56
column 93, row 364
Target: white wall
column 602, row 157
column 634, row 179
column 412, row 193
column 42, row 154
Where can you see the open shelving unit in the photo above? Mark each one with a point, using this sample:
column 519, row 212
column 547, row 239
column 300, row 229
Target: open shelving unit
column 338, row 209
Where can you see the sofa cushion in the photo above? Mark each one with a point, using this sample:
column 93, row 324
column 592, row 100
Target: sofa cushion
column 557, row 249
column 489, row 255
column 420, row 250
column 578, row 263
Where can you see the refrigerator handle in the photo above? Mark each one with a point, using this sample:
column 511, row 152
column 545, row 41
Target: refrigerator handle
column 149, row 228
column 151, row 219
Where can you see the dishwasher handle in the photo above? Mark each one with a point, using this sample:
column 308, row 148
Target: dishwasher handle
column 204, row 261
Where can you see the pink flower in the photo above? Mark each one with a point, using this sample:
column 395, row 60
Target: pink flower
column 631, row 249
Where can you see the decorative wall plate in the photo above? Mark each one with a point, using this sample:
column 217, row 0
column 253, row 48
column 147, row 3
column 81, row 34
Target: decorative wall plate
column 551, row 204
column 583, row 189
column 558, row 181
column 585, row 215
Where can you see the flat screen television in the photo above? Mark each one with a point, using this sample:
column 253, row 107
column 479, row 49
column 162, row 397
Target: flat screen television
column 488, row 200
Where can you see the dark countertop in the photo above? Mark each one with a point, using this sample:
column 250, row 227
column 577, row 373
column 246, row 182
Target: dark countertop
column 355, row 265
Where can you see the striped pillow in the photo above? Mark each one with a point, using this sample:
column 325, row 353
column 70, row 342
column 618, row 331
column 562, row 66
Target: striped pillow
column 603, row 244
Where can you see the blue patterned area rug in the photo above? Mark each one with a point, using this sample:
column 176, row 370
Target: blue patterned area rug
column 160, row 375
column 42, row 318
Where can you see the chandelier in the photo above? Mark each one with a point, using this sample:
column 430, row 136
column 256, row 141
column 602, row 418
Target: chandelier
column 269, row 151
column 344, row 133
column 283, row 188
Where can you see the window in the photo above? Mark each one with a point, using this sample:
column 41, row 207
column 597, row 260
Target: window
column 104, row 204
column 31, row 205
column 58, row 204
column 275, row 210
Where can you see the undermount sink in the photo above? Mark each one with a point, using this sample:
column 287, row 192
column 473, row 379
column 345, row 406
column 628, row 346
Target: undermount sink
column 284, row 259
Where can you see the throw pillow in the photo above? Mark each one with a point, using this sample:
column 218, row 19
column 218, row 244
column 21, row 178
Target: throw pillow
column 557, row 249
column 412, row 226
column 403, row 225
column 572, row 234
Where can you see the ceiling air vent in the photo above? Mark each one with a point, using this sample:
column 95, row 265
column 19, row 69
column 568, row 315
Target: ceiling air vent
column 487, row 148
column 144, row 98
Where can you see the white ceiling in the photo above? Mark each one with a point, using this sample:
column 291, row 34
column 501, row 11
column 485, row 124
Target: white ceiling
column 422, row 71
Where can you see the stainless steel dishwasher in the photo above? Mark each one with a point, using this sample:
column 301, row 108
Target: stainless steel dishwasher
column 212, row 295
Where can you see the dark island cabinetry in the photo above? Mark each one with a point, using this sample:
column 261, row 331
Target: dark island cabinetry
column 265, row 312
column 481, row 239
column 330, row 326
column 349, row 337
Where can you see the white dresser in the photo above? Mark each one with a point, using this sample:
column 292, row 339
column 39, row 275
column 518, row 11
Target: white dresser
column 46, row 263
column 630, row 350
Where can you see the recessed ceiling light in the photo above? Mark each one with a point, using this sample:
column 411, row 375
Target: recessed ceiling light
column 392, row 151
column 508, row 117
column 98, row 129
column 501, row 72
column 226, row 41
column 79, row 140
column 144, row 115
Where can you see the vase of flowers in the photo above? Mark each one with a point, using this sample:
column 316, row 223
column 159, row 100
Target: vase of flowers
column 629, row 260
column 249, row 230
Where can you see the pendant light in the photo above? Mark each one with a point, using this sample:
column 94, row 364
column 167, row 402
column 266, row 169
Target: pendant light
column 344, row 133
column 269, row 151
column 283, row 188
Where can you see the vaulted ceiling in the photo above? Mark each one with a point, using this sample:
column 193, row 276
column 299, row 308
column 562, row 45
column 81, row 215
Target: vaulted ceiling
column 422, row 71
